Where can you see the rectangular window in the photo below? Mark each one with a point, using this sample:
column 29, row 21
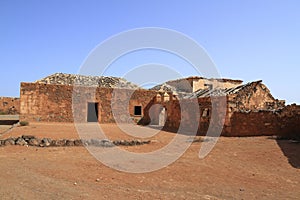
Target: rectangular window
column 137, row 110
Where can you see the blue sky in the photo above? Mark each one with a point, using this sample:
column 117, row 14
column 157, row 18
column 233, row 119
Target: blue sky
column 248, row 40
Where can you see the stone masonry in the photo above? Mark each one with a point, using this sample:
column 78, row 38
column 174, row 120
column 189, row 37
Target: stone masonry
column 249, row 109
column 9, row 105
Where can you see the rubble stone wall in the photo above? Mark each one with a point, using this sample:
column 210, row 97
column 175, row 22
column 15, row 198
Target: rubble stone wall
column 254, row 97
column 9, row 105
column 53, row 103
column 203, row 117
column 284, row 122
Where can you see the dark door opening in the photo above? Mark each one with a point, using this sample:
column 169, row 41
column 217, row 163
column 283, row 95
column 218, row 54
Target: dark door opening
column 138, row 110
column 92, row 114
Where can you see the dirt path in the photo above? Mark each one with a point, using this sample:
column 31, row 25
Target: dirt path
column 237, row 168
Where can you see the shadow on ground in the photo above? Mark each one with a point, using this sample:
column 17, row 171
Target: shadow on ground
column 291, row 150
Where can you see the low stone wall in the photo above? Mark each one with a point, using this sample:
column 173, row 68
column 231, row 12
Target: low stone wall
column 254, row 124
column 9, row 105
column 284, row 122
column 27, row 140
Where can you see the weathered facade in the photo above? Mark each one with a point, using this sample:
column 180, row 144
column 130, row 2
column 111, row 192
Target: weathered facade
column 66, row 103
column 250, row 109
column 186, row 104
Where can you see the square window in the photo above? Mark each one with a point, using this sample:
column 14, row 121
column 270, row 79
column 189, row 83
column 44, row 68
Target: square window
column 137, row 110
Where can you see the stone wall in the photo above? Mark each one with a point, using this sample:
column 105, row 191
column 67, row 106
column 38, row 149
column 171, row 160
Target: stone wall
column 196, row 115
column 255, row 96
column 9, row 105
column 53, row 103
column 247, row 113
column 284, row 122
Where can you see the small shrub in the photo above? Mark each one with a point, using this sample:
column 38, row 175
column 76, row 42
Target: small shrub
column 24, row 123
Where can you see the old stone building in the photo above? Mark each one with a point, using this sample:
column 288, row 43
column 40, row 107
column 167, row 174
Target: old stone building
column 241, row 100
column 249, row 109
column 68, row 98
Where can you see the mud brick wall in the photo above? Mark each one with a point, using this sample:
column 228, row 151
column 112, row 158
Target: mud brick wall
column 195, row 115
column 54, row 103
column 180, row 115
column 45, row 102
column 254, row 124
column 9, row 105
column 284, row 122
column 290, row 121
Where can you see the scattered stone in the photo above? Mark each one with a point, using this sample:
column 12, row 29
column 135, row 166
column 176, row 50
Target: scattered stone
column 20, row 141
column 70, row 143
column 94, row 81
column 34, row 142
column 97, row 180
column 47, row 142
column 117, row 142
column 94, row 142
column 139, row 142
column 60, row 143
column 85, row 142
column 147, row 142
column 28, row 137
column 78, row 143
column 124, row 143
column 9, row 141
column 107, row 143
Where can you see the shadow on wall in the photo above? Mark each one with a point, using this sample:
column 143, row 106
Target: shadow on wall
column 291, row 150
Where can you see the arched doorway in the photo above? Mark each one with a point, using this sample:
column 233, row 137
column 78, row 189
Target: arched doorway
column 162, row 117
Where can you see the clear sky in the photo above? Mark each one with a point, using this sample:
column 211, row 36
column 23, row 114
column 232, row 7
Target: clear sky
column 247, row 39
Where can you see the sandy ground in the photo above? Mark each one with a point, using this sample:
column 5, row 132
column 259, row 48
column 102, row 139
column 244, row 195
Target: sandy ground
column 237, row 168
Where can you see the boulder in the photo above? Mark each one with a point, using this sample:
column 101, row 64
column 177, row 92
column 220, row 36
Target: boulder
column 28, row 137
column 20, row 141
column 34, row 142
column 45, row 142
column 78, row 143
column 117, row 142
column 107, row 143
column 60, row 143
column 9, row 141
column 70, row 143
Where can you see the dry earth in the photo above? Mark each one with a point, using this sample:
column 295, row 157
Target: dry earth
column 237, row 168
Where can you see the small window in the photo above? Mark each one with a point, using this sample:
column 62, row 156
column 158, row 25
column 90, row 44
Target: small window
column 205, row 112
column 137, row 110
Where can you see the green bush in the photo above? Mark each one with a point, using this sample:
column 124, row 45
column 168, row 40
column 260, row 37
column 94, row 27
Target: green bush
column 24, row 123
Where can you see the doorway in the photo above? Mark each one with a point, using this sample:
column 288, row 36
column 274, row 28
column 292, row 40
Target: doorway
column 162, row 117
column 92, row 114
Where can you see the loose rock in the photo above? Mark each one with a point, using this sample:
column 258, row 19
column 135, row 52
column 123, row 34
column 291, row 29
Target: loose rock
column 20, row 141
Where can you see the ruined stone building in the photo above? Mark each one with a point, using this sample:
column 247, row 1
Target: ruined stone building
column 249, row 109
